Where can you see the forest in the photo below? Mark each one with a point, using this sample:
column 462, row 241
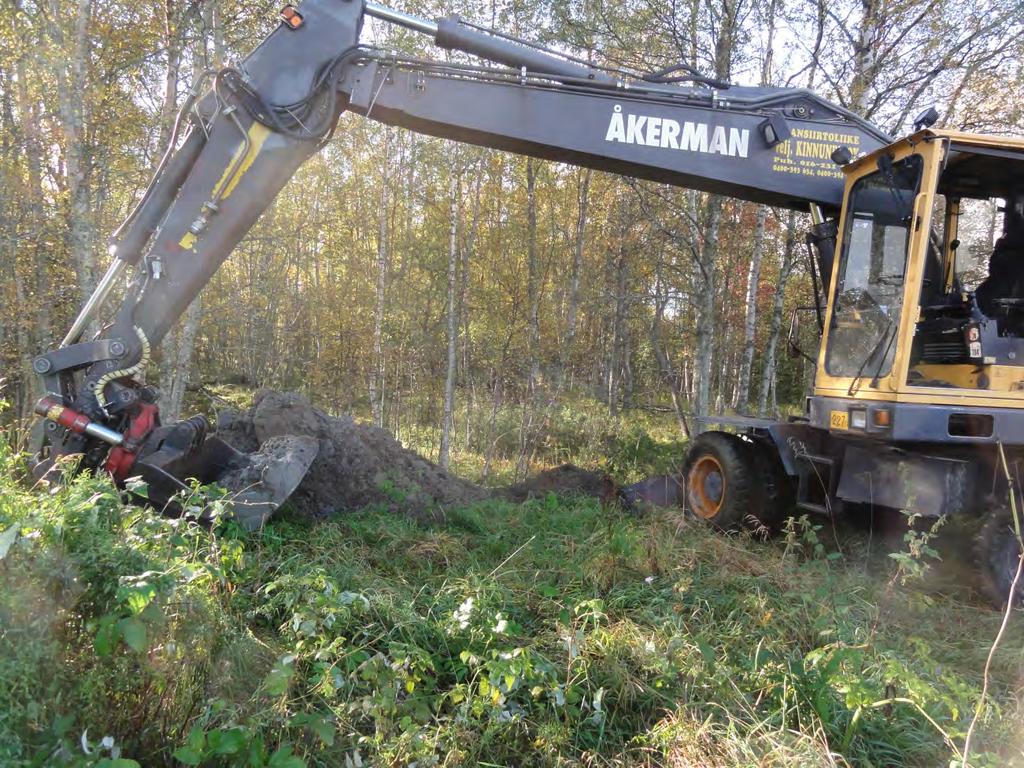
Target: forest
column 499, row 315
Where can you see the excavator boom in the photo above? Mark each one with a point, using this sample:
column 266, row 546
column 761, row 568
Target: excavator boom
column 729, row 142
column 236, row 146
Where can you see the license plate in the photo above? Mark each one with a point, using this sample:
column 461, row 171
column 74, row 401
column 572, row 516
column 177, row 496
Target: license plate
column 839, row 420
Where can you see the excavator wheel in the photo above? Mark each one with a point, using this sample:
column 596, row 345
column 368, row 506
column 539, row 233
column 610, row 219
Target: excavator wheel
column 720, row 479
column 775, row 494
column 997, row 552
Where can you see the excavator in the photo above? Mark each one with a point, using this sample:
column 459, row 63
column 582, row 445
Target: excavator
column 918, row 394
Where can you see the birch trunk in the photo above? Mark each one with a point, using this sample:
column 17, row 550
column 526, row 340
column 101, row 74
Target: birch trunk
column 750, row 320
column 533, row 297
column 467, row 254
column 70, row 77
column 376, row 375
column 583, row 200
column 785, row 270
column 707, row 315
column 668, row 371
column 453, row 326
column 618, row 370
column 864, row 60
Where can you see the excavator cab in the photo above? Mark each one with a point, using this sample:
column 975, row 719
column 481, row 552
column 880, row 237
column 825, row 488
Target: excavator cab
column 924, row 326
column 917, row 404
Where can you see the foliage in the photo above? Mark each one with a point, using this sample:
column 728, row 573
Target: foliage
column 554, row 632
column 86, row 96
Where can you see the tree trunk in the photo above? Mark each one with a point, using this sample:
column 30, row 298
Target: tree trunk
column 377, row 374
column 619, row 367
column 467, row 254
column 70, row 76
column 668, row 372
column 453, row 326
column 583, row 200
column 750, row 323
column 42, row 258
column 785, row 270
column 533, row 297
column 707, row 315
column 864, row 57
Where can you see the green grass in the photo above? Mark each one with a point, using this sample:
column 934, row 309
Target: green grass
column 548, row 633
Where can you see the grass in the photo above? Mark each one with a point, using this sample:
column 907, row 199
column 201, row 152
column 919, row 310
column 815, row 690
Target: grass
column 549, row 633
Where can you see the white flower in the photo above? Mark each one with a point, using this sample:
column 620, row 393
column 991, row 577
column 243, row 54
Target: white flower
column 464, row 612
column 649, row 580
column 501, row 625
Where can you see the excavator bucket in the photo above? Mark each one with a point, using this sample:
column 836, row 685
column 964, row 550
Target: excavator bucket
column 257, row 483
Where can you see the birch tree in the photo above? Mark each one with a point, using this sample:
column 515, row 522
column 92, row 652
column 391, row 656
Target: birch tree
column 453, row 321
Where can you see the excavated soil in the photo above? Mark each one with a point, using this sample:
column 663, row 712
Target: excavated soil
column 359, row 465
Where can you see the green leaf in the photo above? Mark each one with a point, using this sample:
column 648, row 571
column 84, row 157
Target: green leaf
column 284, row 758
column 137, row 596
column 134, row 633
column 319, row 724
column 706, row 651
column 7, row 539
column 226, row 742
column 61, row 724
column 103, row 642
column 137, row 486
column 279, row 677
column 197, row 738
column 117, row 762
column 187, row 755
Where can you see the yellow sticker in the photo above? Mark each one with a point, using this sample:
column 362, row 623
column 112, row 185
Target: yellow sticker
column 236, row 168
column 839, row 420
column 258, row 134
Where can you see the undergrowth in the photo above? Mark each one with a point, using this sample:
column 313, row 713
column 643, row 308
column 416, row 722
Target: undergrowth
column 550, row 633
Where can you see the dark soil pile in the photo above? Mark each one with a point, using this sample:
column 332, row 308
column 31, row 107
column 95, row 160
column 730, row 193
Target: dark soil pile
column 566, row 478
column 359, row 465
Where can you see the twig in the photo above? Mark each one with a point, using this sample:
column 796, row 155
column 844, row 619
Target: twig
column 1006, row 614
column 520, row 549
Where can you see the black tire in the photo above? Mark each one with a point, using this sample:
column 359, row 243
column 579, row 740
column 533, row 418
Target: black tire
column 776, row 495
column 719, row 480
column 997, row 552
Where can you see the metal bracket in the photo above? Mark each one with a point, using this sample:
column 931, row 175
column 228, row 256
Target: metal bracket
column 78, row 355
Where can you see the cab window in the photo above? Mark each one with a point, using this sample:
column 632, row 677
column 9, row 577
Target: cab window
column 872, row 269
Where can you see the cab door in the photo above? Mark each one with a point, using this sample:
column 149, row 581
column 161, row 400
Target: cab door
column 883, row 224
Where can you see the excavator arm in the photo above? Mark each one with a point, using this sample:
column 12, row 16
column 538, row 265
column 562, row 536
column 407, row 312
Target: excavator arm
column 235, row 147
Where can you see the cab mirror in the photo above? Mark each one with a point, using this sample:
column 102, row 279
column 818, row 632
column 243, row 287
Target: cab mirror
column 793, row 348
column 793, row 339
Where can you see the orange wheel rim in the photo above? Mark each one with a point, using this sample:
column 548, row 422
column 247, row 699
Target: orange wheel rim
column 706, row 486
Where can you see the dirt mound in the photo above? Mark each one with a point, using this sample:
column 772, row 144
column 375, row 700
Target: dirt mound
column 357, row 465
column 360, row 465
column 567, row 478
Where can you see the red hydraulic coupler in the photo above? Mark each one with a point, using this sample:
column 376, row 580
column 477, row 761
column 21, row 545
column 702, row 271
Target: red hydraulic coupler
column 123, row 456
column 77, row 422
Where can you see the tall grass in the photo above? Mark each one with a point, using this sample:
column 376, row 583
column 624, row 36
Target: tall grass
column 549, row 633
